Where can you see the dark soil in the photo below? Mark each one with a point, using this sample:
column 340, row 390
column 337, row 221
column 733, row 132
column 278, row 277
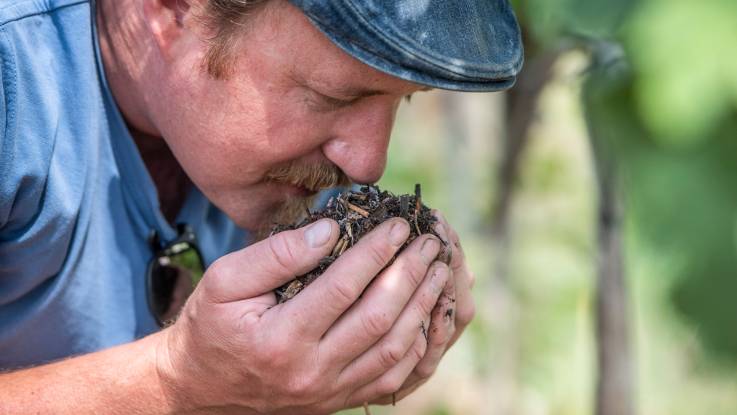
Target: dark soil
column 357, row 213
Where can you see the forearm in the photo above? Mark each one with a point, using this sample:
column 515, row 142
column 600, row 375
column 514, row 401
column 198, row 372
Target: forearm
column 120, row 380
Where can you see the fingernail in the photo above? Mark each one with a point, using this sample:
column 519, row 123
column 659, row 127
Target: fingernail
column 399, row 232
column 429, row 250
column 442, row 232
column 318, row 234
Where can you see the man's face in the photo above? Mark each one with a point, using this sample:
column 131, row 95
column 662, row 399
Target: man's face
column 292, row 100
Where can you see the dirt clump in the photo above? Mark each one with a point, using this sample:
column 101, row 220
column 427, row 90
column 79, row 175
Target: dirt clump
column 357, row 213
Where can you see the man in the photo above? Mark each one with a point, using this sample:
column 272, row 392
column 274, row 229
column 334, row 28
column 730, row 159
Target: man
column 125, row 117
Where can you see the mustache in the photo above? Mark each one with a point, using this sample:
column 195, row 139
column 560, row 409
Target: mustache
column 313, row 177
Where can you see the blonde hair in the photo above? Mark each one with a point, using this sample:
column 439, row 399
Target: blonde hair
column 226, row 19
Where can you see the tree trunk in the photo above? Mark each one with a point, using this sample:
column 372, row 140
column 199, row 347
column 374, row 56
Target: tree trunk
column 521, row 109
column 614, row 391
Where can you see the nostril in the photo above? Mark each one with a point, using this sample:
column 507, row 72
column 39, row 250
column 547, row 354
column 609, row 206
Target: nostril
column 362, row 157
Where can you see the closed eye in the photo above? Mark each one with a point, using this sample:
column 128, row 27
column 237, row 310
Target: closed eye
column 337, row 102
column 324, row 102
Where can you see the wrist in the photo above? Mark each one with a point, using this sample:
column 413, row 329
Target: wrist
column 172, row 384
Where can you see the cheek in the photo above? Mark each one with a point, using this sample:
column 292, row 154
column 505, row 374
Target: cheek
column 238, row 138
column 220, row 137
column 226, row 134
column 292, row 131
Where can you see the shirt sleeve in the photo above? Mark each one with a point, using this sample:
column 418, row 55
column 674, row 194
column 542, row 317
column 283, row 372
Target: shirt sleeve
column 30, row 251
column 6, row 200
column 25, row 147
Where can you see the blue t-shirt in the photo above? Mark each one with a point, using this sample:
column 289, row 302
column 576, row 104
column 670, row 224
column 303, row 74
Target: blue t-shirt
column 76, row 201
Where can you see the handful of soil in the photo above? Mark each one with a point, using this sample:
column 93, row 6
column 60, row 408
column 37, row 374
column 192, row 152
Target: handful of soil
column 357, row 213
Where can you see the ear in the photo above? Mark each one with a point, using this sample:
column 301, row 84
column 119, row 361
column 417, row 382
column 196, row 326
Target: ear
column 165, row 20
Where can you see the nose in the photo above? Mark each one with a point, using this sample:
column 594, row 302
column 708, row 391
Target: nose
column 361, row 139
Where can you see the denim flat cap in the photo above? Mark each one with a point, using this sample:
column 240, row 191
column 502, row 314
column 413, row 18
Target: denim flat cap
column 463, row 45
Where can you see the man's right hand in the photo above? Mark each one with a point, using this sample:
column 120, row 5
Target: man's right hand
column 352, row 336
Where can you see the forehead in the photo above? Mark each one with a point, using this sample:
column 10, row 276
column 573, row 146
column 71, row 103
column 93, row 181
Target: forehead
column 286, row 35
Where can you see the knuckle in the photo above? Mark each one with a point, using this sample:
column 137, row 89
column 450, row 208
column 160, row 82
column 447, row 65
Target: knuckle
column 454, row 238
column 277, row 354
column 413, row 271
column 282, row 251
column 215, row 269
column 442, row 268
column 426, row 305
column 213, row 275
column 425, row 371
column 341, row 292
column 471, row 279
column 214, row 283
column 443, row 271
column 466, row 313
column 376, row 323
column 457, row 260
column 419, row 348
column 304, row 387
column 455, row 242
column 389, row 384
column 390, row 354
column 439, row 338
column 379, row 254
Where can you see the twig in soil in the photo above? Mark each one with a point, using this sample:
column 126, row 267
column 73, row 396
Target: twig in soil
column 349, row 231
column 418, row 198
column 344, row 246
column 418, row 205
column 403, row 205
column 357, row 209
column 338, row 247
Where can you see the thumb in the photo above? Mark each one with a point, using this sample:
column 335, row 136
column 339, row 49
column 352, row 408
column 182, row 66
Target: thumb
column 268, row 264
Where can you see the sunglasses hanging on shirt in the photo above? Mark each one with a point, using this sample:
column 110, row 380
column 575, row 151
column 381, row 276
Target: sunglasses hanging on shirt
column 174, row 271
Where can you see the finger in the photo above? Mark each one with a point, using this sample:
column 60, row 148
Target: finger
column 377, row 310
column 268, row 264
column 465, row 310
column 450, row 237
column 386, row 354
column 393, row 379
column 321, row 303
column 442, row 328
column 463, row 276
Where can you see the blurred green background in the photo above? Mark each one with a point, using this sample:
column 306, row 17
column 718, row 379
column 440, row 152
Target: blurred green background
column 613, row 160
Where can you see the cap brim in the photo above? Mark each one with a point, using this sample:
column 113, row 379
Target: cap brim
column 416, row 76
